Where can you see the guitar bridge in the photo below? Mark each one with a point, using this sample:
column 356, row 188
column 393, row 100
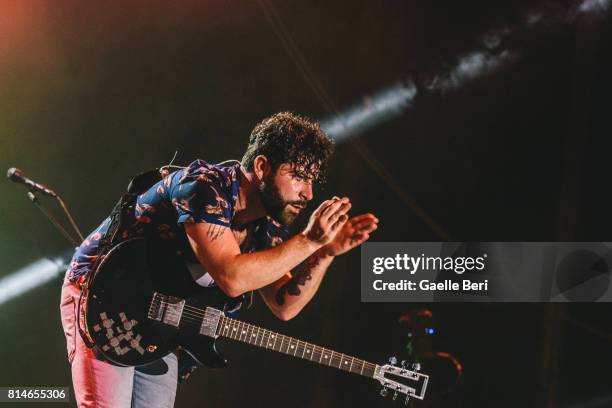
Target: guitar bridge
column 166, row 309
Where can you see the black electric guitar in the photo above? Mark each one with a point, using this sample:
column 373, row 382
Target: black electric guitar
column 143, row 304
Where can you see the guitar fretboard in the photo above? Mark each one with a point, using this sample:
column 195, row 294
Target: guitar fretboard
column 257, row 336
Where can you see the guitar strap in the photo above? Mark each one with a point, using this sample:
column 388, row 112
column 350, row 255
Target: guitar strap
column 119, row 223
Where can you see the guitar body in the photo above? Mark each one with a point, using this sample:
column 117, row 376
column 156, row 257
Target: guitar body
column 119, row 307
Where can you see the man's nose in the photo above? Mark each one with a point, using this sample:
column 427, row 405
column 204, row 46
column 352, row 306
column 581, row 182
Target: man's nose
column 306, row 192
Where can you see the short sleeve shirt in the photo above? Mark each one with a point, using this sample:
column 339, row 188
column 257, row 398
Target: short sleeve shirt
column 201, row 192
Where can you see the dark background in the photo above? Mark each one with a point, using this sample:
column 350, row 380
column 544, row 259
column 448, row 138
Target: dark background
column 92, row 93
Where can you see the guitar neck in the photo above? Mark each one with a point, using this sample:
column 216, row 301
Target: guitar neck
column 257, row 336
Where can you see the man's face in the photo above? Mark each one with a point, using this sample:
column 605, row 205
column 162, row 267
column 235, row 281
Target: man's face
column 285, row 194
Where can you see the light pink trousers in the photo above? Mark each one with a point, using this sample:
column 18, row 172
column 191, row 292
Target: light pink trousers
column 102, row 385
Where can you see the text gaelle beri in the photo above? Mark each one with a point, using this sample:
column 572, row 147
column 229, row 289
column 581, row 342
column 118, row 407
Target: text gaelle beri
column 412, row 264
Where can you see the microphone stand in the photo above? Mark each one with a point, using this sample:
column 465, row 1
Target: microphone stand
column 34, row 198
column 76, row 228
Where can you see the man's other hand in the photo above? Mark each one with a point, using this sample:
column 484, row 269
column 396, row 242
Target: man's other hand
column 355, row 232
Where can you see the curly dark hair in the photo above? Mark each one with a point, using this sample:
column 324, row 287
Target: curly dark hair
column 289, row 138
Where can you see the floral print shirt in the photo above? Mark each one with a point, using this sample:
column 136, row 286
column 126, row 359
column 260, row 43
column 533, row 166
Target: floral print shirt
column 201, row 192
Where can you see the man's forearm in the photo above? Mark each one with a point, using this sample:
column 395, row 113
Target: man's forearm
column 288, row 297
column 245, row 272
column 217, row 250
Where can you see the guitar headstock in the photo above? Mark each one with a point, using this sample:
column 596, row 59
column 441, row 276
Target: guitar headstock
column 404, row 379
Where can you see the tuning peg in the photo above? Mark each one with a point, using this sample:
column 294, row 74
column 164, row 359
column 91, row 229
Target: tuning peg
column 394, row 395
column 384, row 391
column 393, row 360
column 407, row 401
column 404, row 364
column 416, row 366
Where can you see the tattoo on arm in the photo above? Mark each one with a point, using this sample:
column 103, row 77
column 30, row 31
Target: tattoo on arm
column 215, row 231
column 300, row 274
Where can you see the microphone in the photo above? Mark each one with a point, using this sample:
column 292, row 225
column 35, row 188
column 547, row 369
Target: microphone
column 16, row 175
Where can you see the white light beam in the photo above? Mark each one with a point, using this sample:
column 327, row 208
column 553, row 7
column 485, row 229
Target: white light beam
column 29, row 277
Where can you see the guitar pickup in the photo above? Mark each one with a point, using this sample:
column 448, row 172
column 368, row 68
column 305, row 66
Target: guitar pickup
column 210, row 322
column 166, row 309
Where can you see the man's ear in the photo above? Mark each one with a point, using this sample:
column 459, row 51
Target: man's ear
column 261, row 167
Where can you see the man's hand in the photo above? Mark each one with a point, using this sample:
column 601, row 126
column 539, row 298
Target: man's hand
column 354, row 233
column 327, row 220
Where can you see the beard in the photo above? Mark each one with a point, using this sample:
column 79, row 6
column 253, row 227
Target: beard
column 275, row 205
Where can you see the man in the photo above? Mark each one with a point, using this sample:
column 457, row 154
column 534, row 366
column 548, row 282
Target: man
column 229, row 221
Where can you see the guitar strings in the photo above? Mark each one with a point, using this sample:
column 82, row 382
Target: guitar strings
column 194, row 318
column 194, row 314
column 197, row 313
column 286, row 340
